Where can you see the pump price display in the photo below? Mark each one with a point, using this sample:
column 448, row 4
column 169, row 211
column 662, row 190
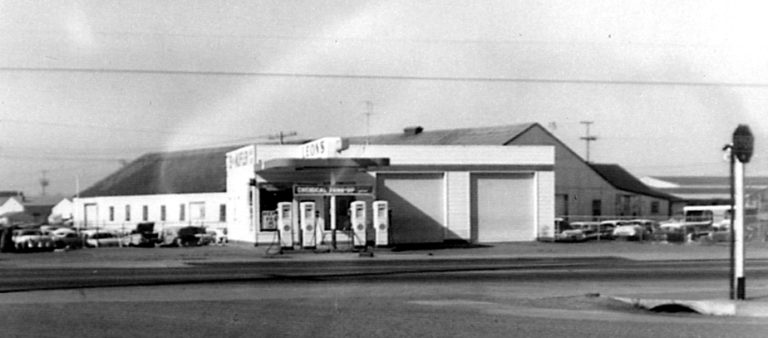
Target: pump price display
column 325, row 190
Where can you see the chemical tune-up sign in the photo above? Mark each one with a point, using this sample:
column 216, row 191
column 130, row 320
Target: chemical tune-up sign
column 327, row 190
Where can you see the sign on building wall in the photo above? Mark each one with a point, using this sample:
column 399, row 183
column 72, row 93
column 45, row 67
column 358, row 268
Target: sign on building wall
column 241, row 157
column 328, row 190
column 326, row 147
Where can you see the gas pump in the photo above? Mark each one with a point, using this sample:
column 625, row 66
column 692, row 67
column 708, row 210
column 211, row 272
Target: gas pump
column 307, row 217
column 381, row 222
column 285, row 224
column 357, row 219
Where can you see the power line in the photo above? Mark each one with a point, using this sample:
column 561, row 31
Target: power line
column 384, row 77
column 88, row 125
column 61, row 158
column 335, row 39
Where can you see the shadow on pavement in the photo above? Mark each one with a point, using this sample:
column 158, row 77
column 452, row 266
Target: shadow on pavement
column 438, row 246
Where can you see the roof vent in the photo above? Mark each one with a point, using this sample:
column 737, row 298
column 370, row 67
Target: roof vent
column 409, row 131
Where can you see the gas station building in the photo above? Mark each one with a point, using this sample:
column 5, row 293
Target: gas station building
column 389, row 194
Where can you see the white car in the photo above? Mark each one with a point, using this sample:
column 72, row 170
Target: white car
column 32, row 240
column 103, row 239
column 630, row 232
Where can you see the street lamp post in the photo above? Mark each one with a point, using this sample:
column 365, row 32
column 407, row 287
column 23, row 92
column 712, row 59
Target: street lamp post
column 741, row 151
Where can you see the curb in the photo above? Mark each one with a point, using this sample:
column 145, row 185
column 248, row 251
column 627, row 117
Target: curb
column 704, row 307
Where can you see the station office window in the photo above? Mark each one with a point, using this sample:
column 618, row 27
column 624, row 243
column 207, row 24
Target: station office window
column 181, row 212
column 162, row 213
column 127, row 212
column 111, row 214
column 144, row 213
column 222, row 212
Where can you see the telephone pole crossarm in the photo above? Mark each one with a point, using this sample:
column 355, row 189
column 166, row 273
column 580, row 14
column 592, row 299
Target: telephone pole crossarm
column 588, row 138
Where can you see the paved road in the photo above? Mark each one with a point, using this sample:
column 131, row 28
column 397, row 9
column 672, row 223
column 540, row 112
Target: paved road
column 575, row 269
column 489, row 298
column 200, row 293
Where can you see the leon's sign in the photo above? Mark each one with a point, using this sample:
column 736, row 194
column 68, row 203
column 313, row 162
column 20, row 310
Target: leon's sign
column 323, row 148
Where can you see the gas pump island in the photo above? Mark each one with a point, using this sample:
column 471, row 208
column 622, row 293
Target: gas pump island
column 311, row 231
column 320, row 197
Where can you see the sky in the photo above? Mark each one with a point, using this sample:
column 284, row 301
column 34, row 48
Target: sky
column 87, row 85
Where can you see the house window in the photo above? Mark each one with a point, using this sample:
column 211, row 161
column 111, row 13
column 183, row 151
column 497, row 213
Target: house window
column 597, row 208
column 127, row 213
column 181, row 212
column 162, row 213
column 144, row 213
column 222, row 212
column 111, row 214
column 655, row 207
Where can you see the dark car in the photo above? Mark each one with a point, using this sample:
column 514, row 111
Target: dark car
column 6, row 238
column 185, row 236
column 193, row 236
column 565, row 233
column 144, row 235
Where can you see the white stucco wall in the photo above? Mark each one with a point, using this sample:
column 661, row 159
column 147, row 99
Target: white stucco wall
column 212, row 206
column 62, row 211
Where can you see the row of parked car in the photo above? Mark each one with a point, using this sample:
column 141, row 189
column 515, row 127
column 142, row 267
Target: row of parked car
column 636, row 229
column 49, row 238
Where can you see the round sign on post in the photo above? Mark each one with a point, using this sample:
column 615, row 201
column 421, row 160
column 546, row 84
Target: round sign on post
column 743, row 143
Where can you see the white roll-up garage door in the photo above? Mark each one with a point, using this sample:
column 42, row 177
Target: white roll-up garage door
column 503, row 208
column 418, row 207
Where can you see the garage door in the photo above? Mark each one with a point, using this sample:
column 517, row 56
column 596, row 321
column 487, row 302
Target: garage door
column 418, row 208
column 502, row 207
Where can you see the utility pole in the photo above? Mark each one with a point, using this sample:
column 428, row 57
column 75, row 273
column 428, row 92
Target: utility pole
column 281, row 136
column 44, row 182
column 368, row 113
column 588, row 138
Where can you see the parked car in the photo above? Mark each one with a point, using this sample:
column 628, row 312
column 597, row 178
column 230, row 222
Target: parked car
column 632, row 232
column 590, row 229
column 219, row 235
column 565, row 233
column 6, row 238
column 103, row 239
column 32, row 240
column 66, row 238
column 650, row 226
column 143, row 235
column 608, row 226
column 185, row 236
